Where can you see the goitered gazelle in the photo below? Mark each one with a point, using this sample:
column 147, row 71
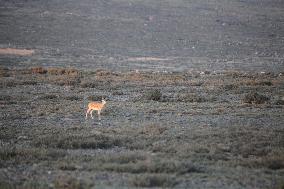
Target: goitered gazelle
column 98, row 106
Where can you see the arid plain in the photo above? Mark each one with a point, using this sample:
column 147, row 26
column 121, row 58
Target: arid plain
column 194, row 91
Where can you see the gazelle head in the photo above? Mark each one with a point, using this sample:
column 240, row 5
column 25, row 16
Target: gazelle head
column 103, row 101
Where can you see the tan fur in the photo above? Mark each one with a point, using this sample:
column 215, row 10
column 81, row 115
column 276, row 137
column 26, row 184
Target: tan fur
column 98, row 106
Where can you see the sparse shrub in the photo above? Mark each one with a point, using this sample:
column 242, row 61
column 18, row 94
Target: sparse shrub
column 67, row 167
column 4, row 72
column 196, row 83
column 258, row 82
column 72, row 82
column 8, row 83
column 233, row 74
column 153, row 180
column 153, row 129
column 101, row 72
column 38, row 70
column 7, row 153
column 7, row 185
column 72, row 98
column 279, row 102
column 34, row 184
column 122, row 158
column 281, row 185
column 255, row 98
column 63, row 71
column 88, row 84
column 68, row 182
column 190, row 97
column 48, row 97
column 65, row 80
column 267, row 83
column 275, row 163
column 72, row 71
column 202, row 150
column 270, row 161
column 5, row 98
column 155, row 95
column 78, row 141
column 172, row 166
column 96, row 97
column 151, row 166
column 29, row 155
column 29, row 82
column 118, row 93
column 230, row 87
column 13, row 83
column 56, row 71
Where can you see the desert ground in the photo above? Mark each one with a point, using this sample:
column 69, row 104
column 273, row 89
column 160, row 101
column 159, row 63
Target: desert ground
column 194, row 91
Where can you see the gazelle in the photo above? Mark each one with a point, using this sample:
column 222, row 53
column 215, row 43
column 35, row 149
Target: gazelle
column 98, row 106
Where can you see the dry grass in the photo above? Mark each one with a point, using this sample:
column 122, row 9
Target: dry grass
column 55, row 71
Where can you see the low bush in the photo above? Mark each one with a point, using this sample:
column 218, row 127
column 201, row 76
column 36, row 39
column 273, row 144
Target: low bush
column 89, row 84
column 38, row 70
column 96, row 97
column 68, row 182
column 190, row 97
column 153, row 180
column 4, row 72
column 255, row 98
column 63, row 71
column 73, row 98
column 48, row 97
column 154, row 95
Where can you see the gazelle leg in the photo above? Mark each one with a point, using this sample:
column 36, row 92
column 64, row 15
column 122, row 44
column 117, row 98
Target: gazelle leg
column 92, row 114
column 99, row 114
column 88, row 111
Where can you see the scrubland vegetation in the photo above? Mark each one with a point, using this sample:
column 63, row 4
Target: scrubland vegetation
column 176, row 130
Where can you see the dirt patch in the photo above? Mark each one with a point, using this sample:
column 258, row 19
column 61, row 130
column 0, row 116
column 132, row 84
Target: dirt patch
column 20, row 52
column 146, row 59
